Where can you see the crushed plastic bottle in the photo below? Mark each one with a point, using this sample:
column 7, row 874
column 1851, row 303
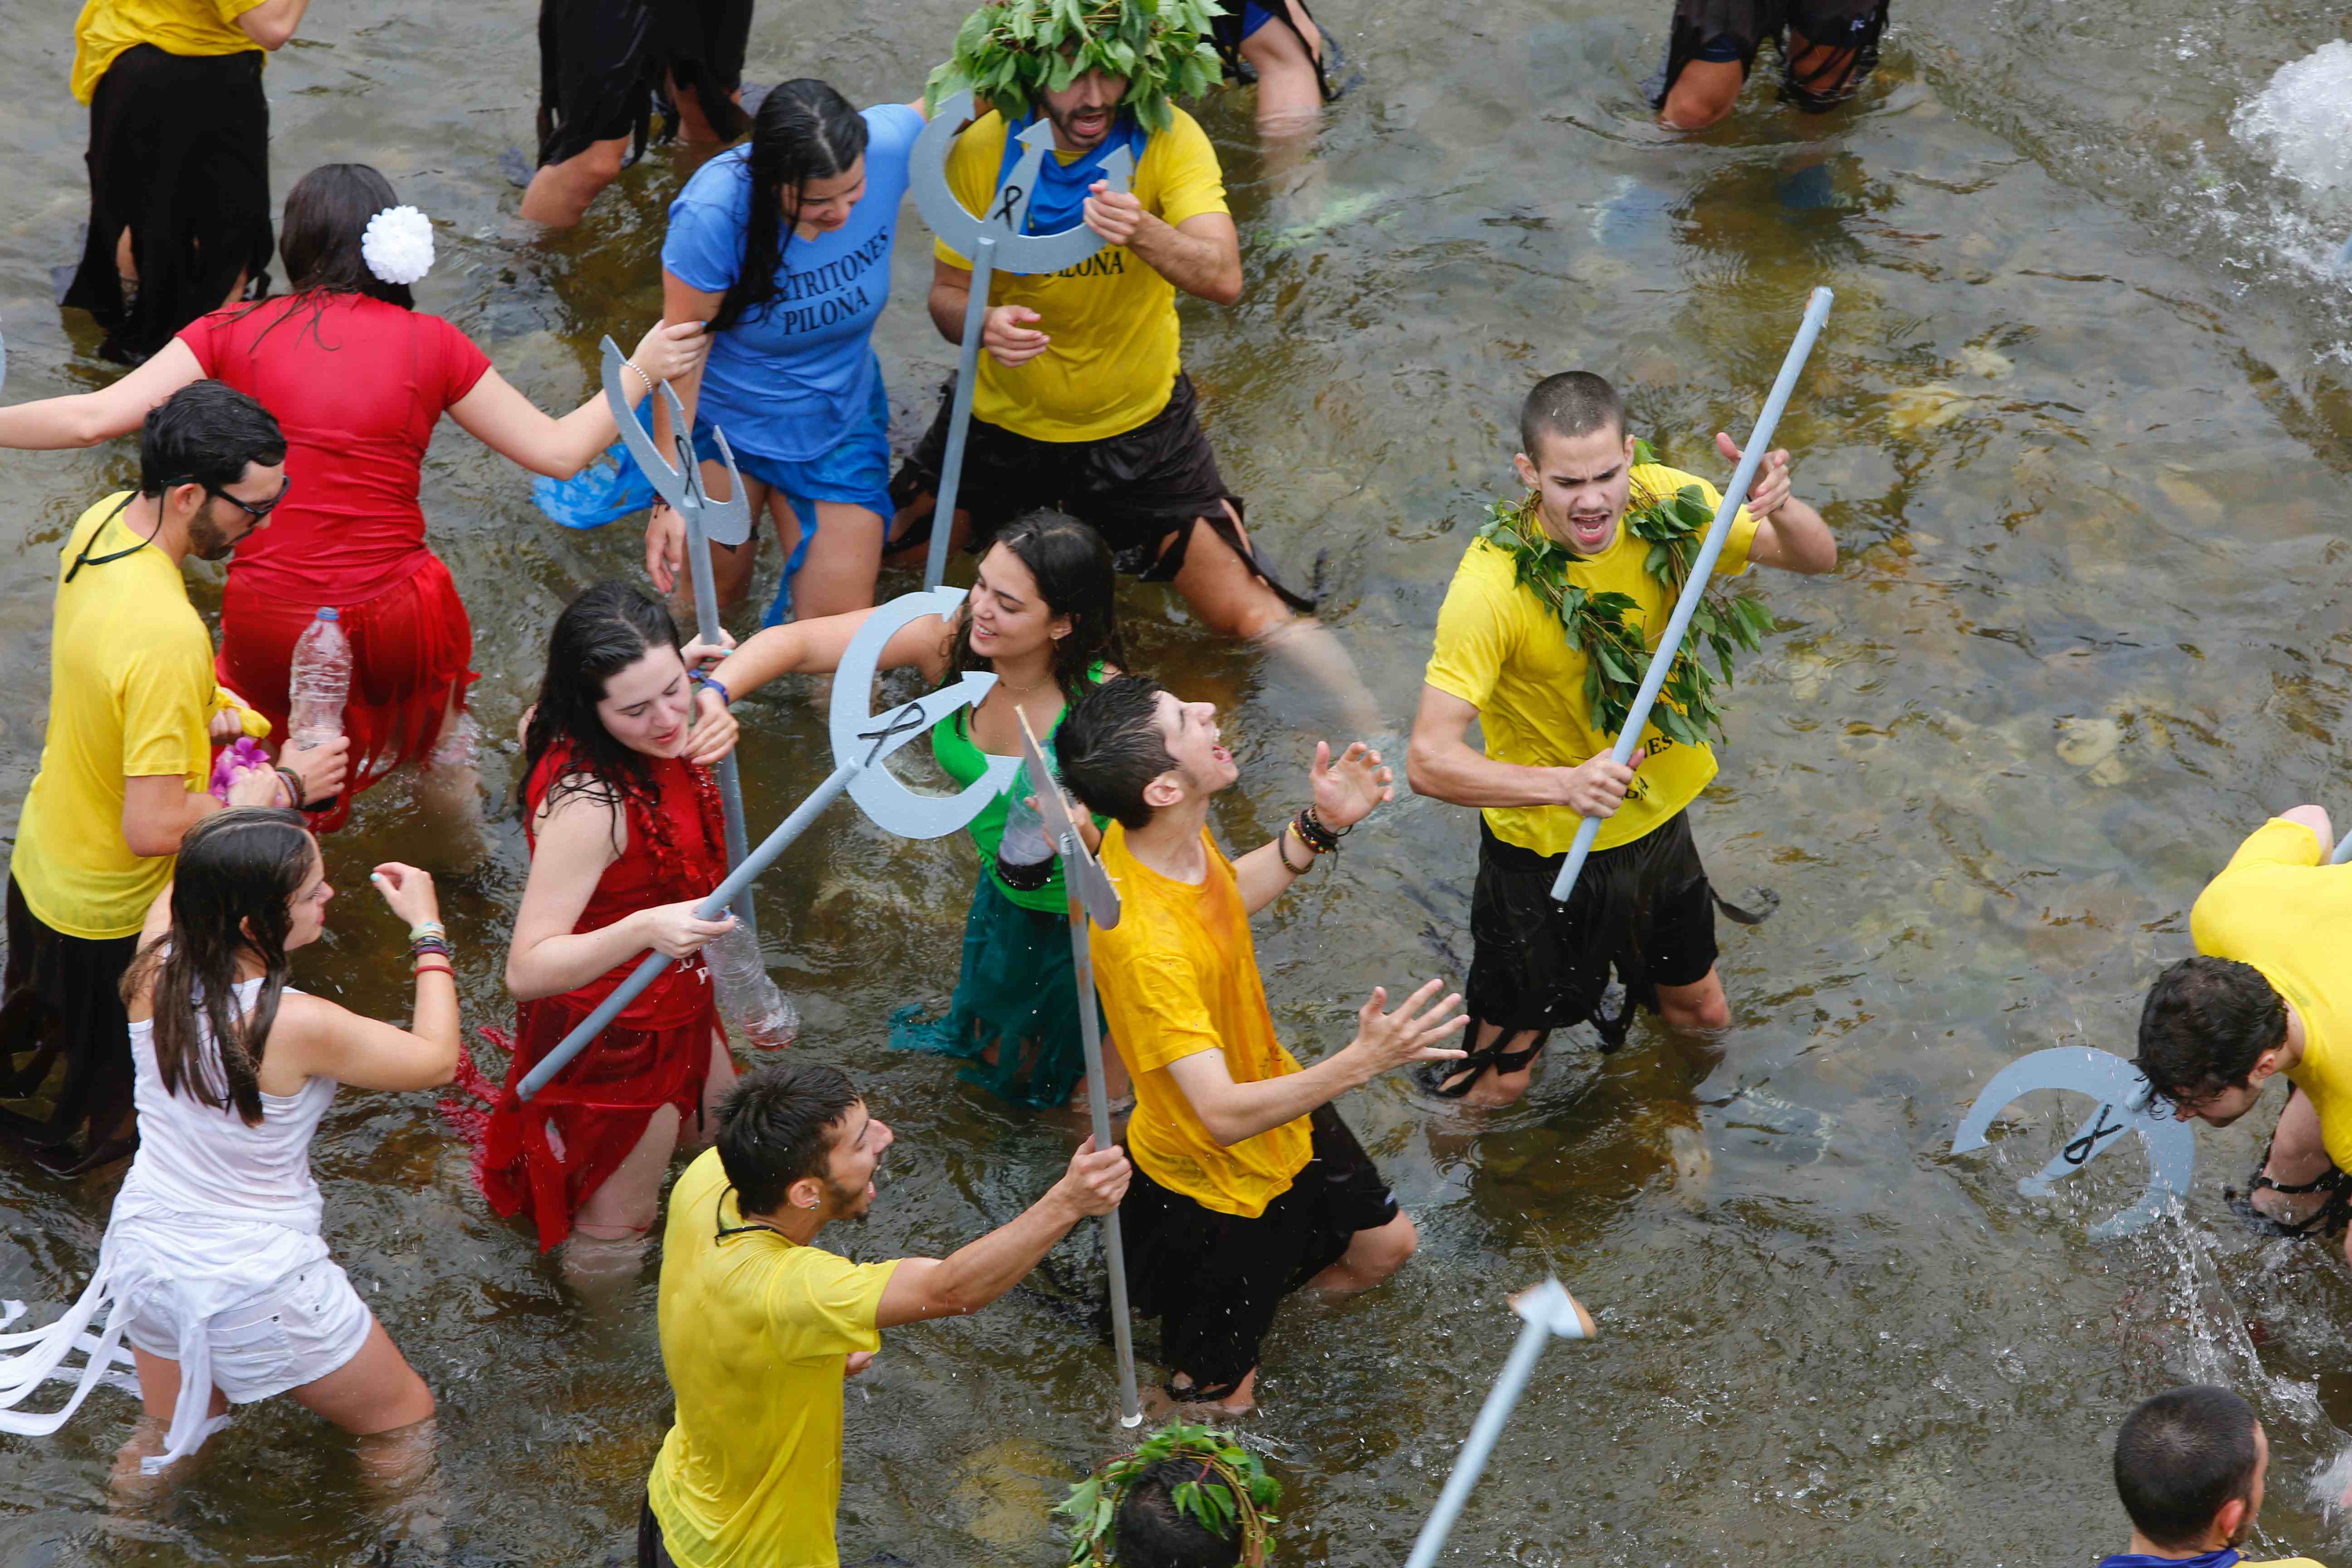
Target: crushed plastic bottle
column 757, row 1012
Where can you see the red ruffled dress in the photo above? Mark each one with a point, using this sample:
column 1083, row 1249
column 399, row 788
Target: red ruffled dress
column 544, row 1157
column 357, row 387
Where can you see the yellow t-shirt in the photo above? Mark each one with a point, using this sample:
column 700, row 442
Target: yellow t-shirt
column 1500, row 648
column 1113, row 361
column 2279, row 906
column 755, row 1333
column 131, row 692
column 107, row 27
column 1177, row 976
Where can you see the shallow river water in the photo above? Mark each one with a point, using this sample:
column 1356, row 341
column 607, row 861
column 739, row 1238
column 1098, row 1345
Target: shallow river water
column 2080, row 421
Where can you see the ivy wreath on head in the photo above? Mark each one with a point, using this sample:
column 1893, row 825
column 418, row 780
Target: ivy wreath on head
column 1616, row 651
column 1238, row 1511
column 1008, row 52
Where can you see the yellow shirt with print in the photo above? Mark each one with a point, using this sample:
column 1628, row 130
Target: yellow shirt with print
column 131, row 693
column 1178, row 977
column 1113, row 361
column 1500, row 648
column 107, row 27
column 756, row 1332
column 2280, row 907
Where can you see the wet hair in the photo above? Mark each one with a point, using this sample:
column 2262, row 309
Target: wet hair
column 2179, row 1457
column 326, row 214
column 776, row 1126
column 232, row 893
column 805, row 130
column 1109, row 748
column 206, row 433
column 1150, row 1530
column 2205, row 1021
column 1574, row 403
column 600, row 634
column 1076, row 578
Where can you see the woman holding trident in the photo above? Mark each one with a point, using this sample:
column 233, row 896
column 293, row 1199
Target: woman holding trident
column 1040, row 617
column 625, row 838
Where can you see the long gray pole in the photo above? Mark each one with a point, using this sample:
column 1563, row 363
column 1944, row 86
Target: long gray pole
column 1500, row 1401
column 975, row 317
column 730, row 783
column 710, row 908
column 1817, row 310
column 1130, row 1410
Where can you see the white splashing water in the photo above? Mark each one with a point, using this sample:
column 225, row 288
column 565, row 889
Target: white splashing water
column 2303, row 120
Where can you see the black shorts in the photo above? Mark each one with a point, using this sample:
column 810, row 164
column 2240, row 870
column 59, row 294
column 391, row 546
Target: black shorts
column 602, row 64
column 653, row 1549
column 1144, row 490
column 61, row 1005
column 1644, row 907
column 1727, row 30
column 179, row 155
column 1213, row 1280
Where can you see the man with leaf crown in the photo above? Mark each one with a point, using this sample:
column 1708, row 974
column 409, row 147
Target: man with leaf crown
column 1543, row 640
column 1082, row 404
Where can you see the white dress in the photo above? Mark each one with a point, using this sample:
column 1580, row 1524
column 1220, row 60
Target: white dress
column 213, row 1259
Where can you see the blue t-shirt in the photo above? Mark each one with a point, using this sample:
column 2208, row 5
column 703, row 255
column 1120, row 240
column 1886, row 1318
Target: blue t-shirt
column 790, row 379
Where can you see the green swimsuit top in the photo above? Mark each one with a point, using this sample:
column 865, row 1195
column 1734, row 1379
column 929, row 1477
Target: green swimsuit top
column 962, row 760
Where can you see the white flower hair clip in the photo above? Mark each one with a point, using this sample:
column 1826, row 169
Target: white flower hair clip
column 398, row 245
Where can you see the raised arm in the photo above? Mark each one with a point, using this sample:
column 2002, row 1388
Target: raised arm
column 325, row 1040
column 816, row 648
column 1344, row 795
column 1234, row 1111
column 1441, row 762
column 515, row 427
column 1789, row 534
column 579, row 836
column 979, row 1273
column 665, row 530
column 86, row 418
column 1202, row 256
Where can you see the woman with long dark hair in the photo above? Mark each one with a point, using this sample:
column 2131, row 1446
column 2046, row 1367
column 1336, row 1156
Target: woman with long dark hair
column 358, row 377
column 784, row 247
column 626, row 836
column 212, row 1267
column 1041, row 618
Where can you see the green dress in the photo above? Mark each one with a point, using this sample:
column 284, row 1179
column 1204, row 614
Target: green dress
column 1017, row 990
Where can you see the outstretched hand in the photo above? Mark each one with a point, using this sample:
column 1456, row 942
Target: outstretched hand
column 1347, row 791
column 1411, row 1033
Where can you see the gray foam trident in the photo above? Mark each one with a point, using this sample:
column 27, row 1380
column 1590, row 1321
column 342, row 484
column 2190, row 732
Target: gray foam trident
column 1091, row 897
column 1670, row 641
column 995, row 241
column 1550, row 1311
column 726, row 522
column 2127, row 1104
column 859, row 748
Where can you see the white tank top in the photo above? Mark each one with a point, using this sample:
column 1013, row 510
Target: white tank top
column 202, row 1160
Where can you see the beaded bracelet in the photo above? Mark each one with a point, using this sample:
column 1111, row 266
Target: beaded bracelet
column 641, row 375
column 430, row 944
column 427, row 928
column 1282, row 853
column 1318, row 838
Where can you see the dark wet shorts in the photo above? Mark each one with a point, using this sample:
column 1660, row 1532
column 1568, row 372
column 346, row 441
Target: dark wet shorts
column 1728, row 30
column 1144, row 490
column 1644, row 909
column 602, row 64
column 653, row 1551
column 61, row 1003
column 1213, row 1280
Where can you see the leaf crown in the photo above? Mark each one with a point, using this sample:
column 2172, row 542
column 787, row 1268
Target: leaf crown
column 1240, row 1508
column 1008, row 52
column 1598, row 625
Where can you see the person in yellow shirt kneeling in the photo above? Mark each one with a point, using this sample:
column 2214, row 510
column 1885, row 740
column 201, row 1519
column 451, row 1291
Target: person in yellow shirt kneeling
column 759, row 1324
column 2268, row 996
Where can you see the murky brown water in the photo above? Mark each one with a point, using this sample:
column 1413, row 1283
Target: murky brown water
column 2081, row 423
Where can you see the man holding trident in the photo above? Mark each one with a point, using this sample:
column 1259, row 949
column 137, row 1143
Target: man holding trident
column 1542, row 640
column 1081, row 403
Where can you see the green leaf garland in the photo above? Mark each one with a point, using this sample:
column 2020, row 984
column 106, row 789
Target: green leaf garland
column 1240, row 1507
column 1009, row 51
column 1598, row 625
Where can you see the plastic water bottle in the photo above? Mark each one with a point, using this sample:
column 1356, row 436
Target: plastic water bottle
column 1024, row 855
column 321, row 682
column 755, row 1010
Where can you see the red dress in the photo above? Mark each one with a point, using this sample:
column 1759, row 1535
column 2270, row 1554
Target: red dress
column 657, row 1053
column 358, row 393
